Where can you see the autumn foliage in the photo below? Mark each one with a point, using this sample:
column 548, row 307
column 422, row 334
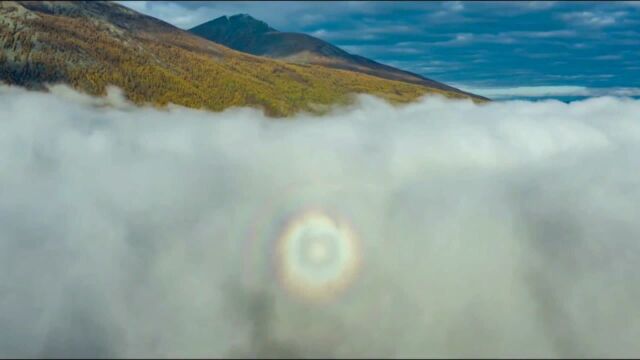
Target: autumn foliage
column 156, row 63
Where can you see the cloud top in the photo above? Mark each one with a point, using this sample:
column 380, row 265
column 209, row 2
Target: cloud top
column 505, row 229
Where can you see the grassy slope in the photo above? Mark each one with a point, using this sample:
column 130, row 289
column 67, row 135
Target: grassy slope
column 155, row 62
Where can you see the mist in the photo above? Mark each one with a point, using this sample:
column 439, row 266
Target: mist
column 507, row 229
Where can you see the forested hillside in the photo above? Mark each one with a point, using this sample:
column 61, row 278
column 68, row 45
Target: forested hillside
column 93, row 44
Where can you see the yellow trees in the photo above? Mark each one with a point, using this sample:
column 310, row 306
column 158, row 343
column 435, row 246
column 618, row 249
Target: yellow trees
column 171, row 67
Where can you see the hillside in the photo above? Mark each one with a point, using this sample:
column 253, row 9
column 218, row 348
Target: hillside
column 244, row 33
column 93, row 44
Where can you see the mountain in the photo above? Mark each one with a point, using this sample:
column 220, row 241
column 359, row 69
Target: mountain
column 244, row 33
column 92, row 44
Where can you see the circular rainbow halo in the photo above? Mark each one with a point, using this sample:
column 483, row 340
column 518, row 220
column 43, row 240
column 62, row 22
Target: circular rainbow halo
column 317, row 256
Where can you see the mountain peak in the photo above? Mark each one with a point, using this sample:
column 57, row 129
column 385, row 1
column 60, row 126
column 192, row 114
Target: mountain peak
column 238, row 25
column 238, row 30
column 244, row 33
column 246, row 20
column 222, row 18
column 243, row 16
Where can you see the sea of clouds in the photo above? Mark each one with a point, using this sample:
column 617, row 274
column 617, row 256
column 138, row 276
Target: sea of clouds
column 507, row 229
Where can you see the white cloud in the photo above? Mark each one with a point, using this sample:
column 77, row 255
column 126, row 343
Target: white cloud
column 543, row 34
column 140, row 6
column 516, row 7
column 284, row 16
column 593, row 19
column 310, row 19
column 608, row 57
column 454, row 6
column 537, row 5
column 462, row 39
column 507, row 229
column 320, row 33
column 547, row 91
column 173, row 13
column 457, row 40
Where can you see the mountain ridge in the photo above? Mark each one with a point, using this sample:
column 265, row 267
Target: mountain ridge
column 247, row 34
column 92, row 44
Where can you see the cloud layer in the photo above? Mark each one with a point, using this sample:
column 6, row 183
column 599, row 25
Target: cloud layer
column 553, row 91
column 507, row 229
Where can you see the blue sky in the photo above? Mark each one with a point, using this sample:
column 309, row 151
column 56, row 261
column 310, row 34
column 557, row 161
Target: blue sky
column 498, row 49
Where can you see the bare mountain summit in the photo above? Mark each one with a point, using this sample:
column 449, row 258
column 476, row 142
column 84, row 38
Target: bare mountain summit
column 247, row 34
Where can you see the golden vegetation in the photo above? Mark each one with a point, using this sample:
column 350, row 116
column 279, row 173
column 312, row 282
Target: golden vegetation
column 165, row 65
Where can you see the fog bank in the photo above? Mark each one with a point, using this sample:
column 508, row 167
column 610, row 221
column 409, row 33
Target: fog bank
column 507, row 229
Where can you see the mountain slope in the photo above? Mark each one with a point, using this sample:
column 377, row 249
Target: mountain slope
column 244, row 33
column 93, row 44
